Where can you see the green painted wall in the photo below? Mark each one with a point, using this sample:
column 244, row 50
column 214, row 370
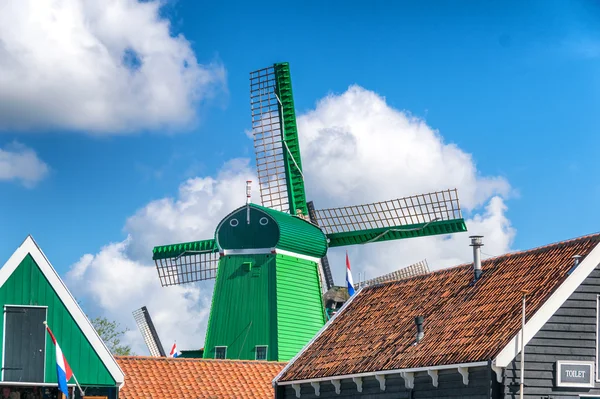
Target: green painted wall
column 300, row 310
column 242, row 314
column 28, row 286
column 276, row 303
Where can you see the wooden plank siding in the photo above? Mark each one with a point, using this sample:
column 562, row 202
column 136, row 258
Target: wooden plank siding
column 450, row 386
column 570, row 334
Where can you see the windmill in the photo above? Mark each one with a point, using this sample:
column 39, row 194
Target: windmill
column 146, row 327
column 269, row 261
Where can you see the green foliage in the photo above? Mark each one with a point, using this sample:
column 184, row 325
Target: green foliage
column 111, row 335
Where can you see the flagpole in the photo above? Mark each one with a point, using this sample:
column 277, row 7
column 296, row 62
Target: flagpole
column 73, row 374
column 78, row 386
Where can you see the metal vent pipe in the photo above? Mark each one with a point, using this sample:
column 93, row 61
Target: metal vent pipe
column 476, row 243
column 419, row 323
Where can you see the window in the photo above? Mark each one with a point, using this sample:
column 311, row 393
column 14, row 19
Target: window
column 261, row 352
column 220, row 352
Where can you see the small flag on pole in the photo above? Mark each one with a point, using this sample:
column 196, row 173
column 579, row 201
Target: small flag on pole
column 63, row 369
column 174, row 352
column 349, row 281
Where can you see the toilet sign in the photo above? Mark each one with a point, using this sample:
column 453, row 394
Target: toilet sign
column 573, row 373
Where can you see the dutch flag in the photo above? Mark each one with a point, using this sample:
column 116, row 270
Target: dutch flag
column 63, row 370
column 174, row 352
column 349, row 281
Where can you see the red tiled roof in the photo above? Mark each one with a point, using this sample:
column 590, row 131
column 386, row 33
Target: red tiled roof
column 462, row 323
column 168, row 378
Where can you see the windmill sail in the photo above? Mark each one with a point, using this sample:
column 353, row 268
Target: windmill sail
column 325, row 269
column 276, row 145
column 414, row 216
column 146, row 327
column 276, row 253
column 187, row 262
column 416, row 269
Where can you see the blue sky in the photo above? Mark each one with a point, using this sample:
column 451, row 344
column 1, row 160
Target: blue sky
column 514, row 84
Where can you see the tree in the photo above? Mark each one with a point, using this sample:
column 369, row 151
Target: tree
column 111, row 335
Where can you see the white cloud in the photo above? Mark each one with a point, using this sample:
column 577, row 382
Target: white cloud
column 355, row 148
column 117, row 285
column 121, row 277
column 101, row 66
column 20, row 163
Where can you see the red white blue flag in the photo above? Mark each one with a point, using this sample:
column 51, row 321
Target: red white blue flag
column 174, row 351
column 63, row 370
column 349, row 281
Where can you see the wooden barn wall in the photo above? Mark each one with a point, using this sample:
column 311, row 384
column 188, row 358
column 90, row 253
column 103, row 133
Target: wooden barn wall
column 450, row 386
column 570, row 334
column 27, row 285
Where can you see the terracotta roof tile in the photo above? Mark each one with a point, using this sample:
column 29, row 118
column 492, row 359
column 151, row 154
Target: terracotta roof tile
column 166, row 378
column 462, row 323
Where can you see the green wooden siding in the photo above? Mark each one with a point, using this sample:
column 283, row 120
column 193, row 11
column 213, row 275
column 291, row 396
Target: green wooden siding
column 300, row 311
column 244, row 235
column 243, row 309
column 28, row 286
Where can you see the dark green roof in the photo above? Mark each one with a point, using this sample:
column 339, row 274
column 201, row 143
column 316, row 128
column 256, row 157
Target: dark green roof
column 286, row 232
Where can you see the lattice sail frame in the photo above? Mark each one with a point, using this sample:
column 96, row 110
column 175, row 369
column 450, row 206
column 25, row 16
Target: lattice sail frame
column 146, row 327
column 186, row 263
column 268, row 143
column 414, row 210
column 416, row 269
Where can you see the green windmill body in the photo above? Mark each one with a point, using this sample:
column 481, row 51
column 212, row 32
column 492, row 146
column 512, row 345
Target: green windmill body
column 270, row 261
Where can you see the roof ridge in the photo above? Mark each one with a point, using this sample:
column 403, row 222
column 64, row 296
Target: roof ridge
column 538, row 248
column 161, row 358
column 483, row 261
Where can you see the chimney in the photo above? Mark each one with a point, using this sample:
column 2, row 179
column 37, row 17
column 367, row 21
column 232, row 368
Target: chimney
column 419, row 323
column 476, row 243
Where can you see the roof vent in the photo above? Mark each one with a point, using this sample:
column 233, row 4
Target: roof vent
column 420, row 333
column 576, row 260
column 476, row 243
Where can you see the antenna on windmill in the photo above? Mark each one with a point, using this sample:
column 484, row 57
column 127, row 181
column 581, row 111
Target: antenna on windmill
column 248, row 195
column 146, row 327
